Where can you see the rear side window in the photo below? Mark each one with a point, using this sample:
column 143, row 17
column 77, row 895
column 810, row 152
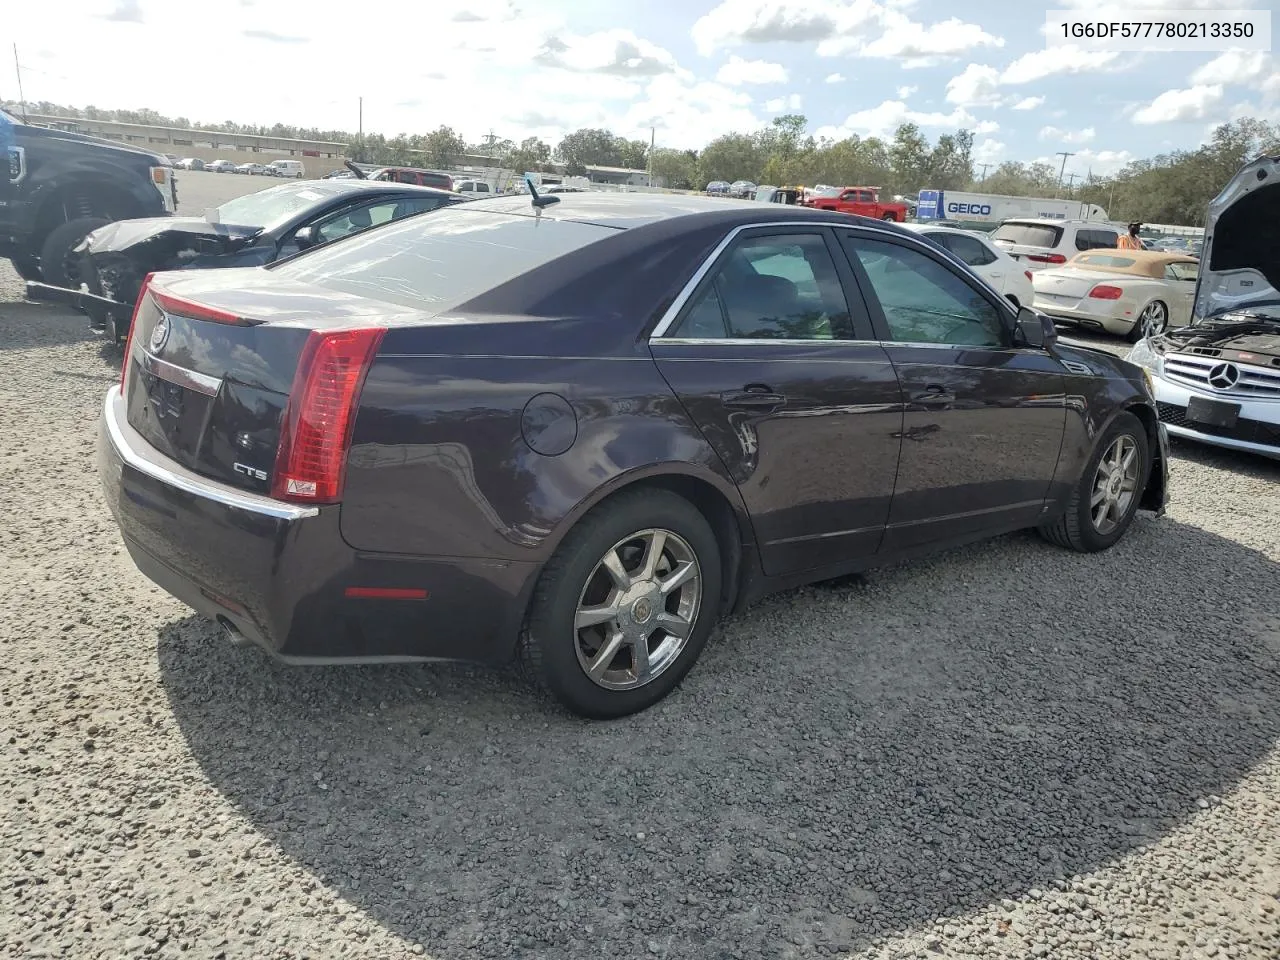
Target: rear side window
column 969, row 249
column 438, row 262
column 1029, row 234
column 1096, row 239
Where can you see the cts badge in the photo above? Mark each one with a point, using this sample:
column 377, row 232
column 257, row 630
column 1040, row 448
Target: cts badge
column 248, row 471
column 160, row 334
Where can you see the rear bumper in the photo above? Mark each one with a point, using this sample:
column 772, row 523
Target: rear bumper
column 278, row 573
column 1081, row 318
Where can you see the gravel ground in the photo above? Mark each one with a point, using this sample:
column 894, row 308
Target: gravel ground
column 1007, row 751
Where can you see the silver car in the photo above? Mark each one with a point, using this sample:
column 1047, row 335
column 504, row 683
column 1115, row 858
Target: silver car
column 1217, row 380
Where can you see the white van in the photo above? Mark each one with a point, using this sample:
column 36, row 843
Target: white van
column 286, row 168
column 475, row 189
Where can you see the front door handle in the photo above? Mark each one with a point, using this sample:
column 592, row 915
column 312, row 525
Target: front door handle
column 754, row 396
column 934, row 395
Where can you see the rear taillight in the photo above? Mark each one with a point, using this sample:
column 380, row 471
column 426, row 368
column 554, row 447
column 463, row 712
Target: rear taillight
column 316, row 432
column 1104, row 291
column 143, row 292
column 1047, row 257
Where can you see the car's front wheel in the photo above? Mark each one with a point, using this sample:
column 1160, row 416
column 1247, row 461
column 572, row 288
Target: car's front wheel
column 1107, row 495
column 624, row 608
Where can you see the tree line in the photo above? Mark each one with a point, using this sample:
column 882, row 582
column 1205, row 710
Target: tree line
column 1173, row 187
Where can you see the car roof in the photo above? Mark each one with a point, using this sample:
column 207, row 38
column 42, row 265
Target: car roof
column 1143, row 260
column 624, row 210
column 343, row 185
column 976, row 234
column 1051, row 222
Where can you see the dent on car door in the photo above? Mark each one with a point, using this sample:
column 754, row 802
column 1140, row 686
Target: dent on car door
column 984, row 419
column 789, row 388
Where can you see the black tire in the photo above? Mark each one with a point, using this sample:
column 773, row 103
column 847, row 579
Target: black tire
column 549, row 642
column 27, row 267
column 55, row 253
column 1075, row 528
column 890, row 217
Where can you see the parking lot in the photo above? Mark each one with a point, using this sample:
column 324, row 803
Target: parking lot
column 1009, row 750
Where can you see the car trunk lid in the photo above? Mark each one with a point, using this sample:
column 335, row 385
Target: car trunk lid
column 210, row 367
column 1068, row 285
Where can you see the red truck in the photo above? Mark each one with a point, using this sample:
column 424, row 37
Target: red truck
column 863, row 201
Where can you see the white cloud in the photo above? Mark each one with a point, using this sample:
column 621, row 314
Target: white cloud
column 1067, row 136
column 1181, row 106
column 835, row 78
column 977, row 86
column 840, row 28
column 617, row 52
column 739, row 71
column 791, row 102
column 904, row 92
column 687, row 114
column 989, row 151
column 985, row 126
column 1060, row 61
column 1242, row 67
column 1028, row 103
column 883, row 120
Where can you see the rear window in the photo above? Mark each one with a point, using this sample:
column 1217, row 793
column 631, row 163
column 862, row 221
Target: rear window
column 438, row 262
column 1093, row 239
column 1029, row 234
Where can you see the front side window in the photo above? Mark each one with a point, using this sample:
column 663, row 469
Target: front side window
column 780, row 287
column 923, row 301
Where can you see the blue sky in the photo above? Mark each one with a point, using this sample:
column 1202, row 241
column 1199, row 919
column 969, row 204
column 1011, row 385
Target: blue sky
column 691, row 68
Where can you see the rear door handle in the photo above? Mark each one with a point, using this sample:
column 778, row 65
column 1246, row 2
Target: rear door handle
column 754, row 396
column 934, row 395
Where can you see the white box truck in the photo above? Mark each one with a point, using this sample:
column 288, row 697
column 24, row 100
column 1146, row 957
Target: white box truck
column 988, row 211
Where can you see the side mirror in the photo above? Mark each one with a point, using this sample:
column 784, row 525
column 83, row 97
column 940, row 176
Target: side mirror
column 1035, row 329
column 307, row 236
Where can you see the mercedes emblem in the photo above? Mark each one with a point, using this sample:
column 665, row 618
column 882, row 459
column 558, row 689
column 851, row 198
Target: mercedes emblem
column 160, row 334
column 1224, row 376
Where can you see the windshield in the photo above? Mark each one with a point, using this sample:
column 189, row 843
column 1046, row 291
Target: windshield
column 266, row 206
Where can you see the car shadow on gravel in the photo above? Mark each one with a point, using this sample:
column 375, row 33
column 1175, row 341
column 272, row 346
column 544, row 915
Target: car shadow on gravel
column 842, row 764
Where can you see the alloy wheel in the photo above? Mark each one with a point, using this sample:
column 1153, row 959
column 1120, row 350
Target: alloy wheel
column 1154, row 319
column 1115, row 484
column 638, row 609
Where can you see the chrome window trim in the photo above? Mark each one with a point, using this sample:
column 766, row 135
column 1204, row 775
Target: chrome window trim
column 912, row 242
column 172, row 373
column 190, row 483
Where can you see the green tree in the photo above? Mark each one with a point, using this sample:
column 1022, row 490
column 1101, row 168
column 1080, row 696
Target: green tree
column 677, row 168
column 532, row 155
column 909, row 159
column 588, row 146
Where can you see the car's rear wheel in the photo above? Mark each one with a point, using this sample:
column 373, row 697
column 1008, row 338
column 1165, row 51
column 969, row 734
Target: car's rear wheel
column 889, row 216
column 1153, row 321
column 59, row 266
column 624, row 608
column 1106, row 498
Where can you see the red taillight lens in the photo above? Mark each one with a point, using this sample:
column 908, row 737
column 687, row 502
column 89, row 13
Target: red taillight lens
column 143, row 292
column 1047, row 257
column 1104, row 291
column 316, row 432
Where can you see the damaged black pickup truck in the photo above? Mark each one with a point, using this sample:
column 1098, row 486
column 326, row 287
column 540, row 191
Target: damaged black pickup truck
column 62, row 185
column 249, row 231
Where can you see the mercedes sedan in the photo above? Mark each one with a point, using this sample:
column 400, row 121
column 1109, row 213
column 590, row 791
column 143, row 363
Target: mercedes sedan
column 581, row 429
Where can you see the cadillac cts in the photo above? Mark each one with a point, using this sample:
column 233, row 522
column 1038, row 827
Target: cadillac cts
column 581, row 432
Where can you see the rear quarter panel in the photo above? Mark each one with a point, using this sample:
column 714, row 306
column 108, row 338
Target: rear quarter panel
column 443, row 459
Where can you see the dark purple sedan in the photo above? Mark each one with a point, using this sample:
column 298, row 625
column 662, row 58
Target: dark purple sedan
column 580, row 433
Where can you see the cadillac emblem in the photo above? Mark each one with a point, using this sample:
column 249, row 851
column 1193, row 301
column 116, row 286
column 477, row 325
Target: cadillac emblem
column 160, row 334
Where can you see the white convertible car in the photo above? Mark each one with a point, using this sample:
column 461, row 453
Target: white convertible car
column 1217, row 380
column 1129, row 293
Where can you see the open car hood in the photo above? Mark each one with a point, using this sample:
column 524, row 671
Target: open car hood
column 1240, row 263
column 124, row 234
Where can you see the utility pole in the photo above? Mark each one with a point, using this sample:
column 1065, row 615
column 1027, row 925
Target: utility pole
column 22, row 97
column 652, row 141
column 984, row 171
column 1071, row 182
column 1063, row 154
column 360, row 121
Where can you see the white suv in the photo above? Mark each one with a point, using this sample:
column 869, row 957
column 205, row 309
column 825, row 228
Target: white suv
column 1037, row 244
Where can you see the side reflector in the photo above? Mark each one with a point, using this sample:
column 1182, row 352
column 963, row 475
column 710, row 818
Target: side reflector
column 385, row 593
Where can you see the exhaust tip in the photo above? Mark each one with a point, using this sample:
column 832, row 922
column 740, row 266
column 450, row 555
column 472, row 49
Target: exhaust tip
column 233, row 635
